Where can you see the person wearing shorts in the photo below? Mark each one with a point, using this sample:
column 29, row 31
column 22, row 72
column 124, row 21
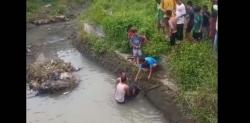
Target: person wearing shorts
column 136, row 42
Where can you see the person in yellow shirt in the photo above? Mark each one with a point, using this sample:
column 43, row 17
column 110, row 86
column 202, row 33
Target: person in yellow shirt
column 168, row 5
column 165, row 6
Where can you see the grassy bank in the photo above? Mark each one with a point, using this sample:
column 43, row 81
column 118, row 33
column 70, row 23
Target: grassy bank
column 195, row 68
column 194, row 65
column 38, row 9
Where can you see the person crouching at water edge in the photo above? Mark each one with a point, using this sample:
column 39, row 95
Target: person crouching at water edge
column 123, row 91
column 147, row 64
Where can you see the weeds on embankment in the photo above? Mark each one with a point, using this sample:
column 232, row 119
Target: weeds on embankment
column 193, row 65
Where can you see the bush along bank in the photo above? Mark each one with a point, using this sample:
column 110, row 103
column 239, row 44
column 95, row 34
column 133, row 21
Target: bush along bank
column 193, row 65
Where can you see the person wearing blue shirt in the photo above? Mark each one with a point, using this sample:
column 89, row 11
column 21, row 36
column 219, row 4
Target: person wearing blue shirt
column 146, row 64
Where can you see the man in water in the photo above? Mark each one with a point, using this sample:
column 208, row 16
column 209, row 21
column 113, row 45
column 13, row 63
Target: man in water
column 147, row 64
column 123, row 91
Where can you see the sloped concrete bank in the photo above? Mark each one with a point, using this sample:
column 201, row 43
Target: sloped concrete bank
column 159, row 94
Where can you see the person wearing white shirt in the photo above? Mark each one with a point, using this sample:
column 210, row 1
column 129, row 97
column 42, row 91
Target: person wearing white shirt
column 180, row 15
column 216, row 27
column 216, row 36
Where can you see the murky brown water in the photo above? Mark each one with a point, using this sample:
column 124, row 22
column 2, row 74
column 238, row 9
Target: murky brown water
column 92, row 101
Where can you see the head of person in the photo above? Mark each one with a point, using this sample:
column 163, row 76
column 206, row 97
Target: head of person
column 169, row 13
column 142, row 60
column 190, row 3
column 123, row 78
column 204, row 7
column 197, row 9
column 123, row 74
column 214, row 1
column 178, row 2
column 133, row 29
column 215, row 7
column 129, row 27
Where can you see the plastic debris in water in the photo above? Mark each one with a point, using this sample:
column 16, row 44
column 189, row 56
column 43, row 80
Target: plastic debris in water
column 78, row 68
column 65, row 93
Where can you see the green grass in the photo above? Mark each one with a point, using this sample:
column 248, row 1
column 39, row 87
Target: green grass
column 195, row 68
column 36, row 8
column 193, row 65
column 116, row 15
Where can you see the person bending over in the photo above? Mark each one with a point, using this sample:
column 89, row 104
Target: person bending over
column 146, row 64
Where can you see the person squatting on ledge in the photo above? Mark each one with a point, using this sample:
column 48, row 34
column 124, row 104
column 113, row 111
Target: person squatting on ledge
column 147, row 64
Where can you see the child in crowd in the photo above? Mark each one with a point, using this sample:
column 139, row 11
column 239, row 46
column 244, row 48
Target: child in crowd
column 205, row 23
column 172, row 26
column 160, row 16
column 190, row 20
column 197, row 33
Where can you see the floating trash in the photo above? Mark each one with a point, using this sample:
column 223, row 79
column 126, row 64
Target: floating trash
column 51, row 76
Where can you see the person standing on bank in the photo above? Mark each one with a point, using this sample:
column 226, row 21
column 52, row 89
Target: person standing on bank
column 167, row 5
column 160, row 17
column 216, row 28
column 180, row 16
column 197, row 28
column 172, row 25
column 190, row 20
column 205, row 23
column 136, row 42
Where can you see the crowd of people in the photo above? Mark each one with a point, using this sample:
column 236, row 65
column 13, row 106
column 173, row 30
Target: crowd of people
column 124, row 91
column 174, row 18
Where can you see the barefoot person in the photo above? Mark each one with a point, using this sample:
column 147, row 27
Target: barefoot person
column 147, row 64
column 136, row 42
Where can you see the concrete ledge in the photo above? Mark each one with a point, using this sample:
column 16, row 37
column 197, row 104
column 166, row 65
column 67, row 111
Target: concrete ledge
column 157, row 92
